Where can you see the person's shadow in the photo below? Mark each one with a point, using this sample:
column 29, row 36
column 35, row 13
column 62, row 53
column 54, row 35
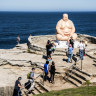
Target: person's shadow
column 64, row 59
column 45, row 57
column 94, row 65
column 43, row 77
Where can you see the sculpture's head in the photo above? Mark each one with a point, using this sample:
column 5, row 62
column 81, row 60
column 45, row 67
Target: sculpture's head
column 65, row 17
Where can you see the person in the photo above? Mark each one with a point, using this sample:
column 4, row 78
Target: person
column 29, row 40
column 17, row 91
column 71, row 41
column 49, row 58
column 48, row 48
column 65, row 29
column 46, row 70
column 81, row 49
column 32, row 80
column 18, row 39
column 50, row 51
column 52, row 72
column 86, row 44
column 70, row 53
column 53, row 47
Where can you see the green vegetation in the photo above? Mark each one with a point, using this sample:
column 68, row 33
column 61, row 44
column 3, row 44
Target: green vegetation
column 88, row 83
column 82, row 91
column 28, row 50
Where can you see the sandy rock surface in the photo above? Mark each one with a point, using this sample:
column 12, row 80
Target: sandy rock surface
column 19, row 61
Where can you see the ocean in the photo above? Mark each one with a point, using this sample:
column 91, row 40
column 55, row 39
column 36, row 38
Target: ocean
column 40, row 23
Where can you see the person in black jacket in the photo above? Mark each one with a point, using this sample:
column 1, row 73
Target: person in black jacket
column 17, row 91
column 48, row 48
column 52, row 72
column 71, row 41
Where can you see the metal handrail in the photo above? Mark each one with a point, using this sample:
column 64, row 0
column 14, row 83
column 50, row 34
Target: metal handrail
column 74, row 64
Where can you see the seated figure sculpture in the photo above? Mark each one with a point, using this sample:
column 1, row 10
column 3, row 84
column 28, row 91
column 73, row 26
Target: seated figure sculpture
column 65, row 29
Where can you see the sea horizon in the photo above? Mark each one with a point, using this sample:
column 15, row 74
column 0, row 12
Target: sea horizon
column 50, row 11
column 40, row 23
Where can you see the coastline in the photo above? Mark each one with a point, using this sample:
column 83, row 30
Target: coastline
column 92, row 38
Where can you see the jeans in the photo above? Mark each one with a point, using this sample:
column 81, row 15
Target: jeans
column 69, row 57
column 17, row 92
column 32, row 86
column 45, row 77
column 81, row 52
column 52, row 77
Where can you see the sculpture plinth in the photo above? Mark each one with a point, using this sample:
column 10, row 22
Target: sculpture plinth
column 64, row 44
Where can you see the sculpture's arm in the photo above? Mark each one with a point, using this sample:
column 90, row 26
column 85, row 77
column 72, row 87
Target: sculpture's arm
column 58, row 28
column 73, row 28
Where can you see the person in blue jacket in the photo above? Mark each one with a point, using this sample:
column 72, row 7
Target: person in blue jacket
column 70, row 53
column 46, row 70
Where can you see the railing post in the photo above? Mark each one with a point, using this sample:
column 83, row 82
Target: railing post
column 81, row 64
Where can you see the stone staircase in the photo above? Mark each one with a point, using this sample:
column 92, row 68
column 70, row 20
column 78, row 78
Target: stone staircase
column 76, row 76
column 38, row 89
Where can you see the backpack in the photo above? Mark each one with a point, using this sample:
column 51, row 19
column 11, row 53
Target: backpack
column 52, row 69
column 28, row 75
column 27, row 85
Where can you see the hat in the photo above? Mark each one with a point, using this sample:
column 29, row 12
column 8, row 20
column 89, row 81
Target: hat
column 19, row 78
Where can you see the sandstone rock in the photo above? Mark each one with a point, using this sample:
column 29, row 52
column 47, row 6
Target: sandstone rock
column 20, row 60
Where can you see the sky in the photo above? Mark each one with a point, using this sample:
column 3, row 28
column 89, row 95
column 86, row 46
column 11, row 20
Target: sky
column 47, row 5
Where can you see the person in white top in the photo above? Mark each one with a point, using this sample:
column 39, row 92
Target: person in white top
column 18, row 39
column 81, row 47
column 30, row 38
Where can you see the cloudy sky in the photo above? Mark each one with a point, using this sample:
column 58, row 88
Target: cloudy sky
column 47, row 5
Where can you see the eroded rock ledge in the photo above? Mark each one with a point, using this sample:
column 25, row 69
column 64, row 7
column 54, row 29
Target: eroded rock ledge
column 19, row 61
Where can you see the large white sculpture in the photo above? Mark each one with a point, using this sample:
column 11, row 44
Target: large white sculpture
column 65, row 29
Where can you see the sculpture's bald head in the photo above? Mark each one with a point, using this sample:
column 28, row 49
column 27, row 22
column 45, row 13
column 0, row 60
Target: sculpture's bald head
column 65, row 17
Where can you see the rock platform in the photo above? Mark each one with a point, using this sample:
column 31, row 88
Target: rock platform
column 19, row 61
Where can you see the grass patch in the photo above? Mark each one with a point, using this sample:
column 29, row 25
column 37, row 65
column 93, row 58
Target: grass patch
column 82, row 91
column 28, row 50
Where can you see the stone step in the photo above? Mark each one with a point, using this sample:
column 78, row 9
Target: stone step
column 73, row 77
column 43, row 87
column 25, row 93
column 71, row 80
column 39, row 89
column 78, row 74
column 36, row 88
column 58, row 53
column 77, row 69
column 35, row 92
